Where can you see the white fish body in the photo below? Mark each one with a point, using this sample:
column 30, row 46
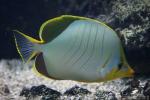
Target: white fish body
column 83, row 48
column 86, row 50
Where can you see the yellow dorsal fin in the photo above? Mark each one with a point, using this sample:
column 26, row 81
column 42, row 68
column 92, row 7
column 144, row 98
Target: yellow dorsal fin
column 53, row 27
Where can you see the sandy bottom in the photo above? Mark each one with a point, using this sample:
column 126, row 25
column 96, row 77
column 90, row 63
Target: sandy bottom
column 15, row 76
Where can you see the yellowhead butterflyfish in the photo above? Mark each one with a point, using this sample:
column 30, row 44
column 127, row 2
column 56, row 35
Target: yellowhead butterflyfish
column 75, row 48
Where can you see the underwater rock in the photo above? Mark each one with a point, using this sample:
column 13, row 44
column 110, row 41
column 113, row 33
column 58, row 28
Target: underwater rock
column 41, row 90
column 146, row 89
column 105, row 95
column 126, row 92
column 133, row 86
column 134, row 83
column 135, row 90
column 134, row 29
column 25, row 92
column 135, row 38
column 4, row 89
column 76, row 90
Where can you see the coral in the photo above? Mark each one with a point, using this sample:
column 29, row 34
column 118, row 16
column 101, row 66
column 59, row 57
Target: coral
column 124, row 8
column 76, row 90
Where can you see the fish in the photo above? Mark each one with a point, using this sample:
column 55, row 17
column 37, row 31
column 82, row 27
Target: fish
column 75, row 48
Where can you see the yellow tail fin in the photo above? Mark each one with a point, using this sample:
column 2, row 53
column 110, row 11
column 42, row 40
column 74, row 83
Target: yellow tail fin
column 25, row 45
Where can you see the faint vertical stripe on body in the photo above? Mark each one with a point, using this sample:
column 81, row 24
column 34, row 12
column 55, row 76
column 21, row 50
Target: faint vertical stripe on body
column 86, row 37
column 93, row 40
column 78, row 43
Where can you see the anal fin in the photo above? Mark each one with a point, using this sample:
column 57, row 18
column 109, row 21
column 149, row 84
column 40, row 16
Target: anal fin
column 41, row 67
